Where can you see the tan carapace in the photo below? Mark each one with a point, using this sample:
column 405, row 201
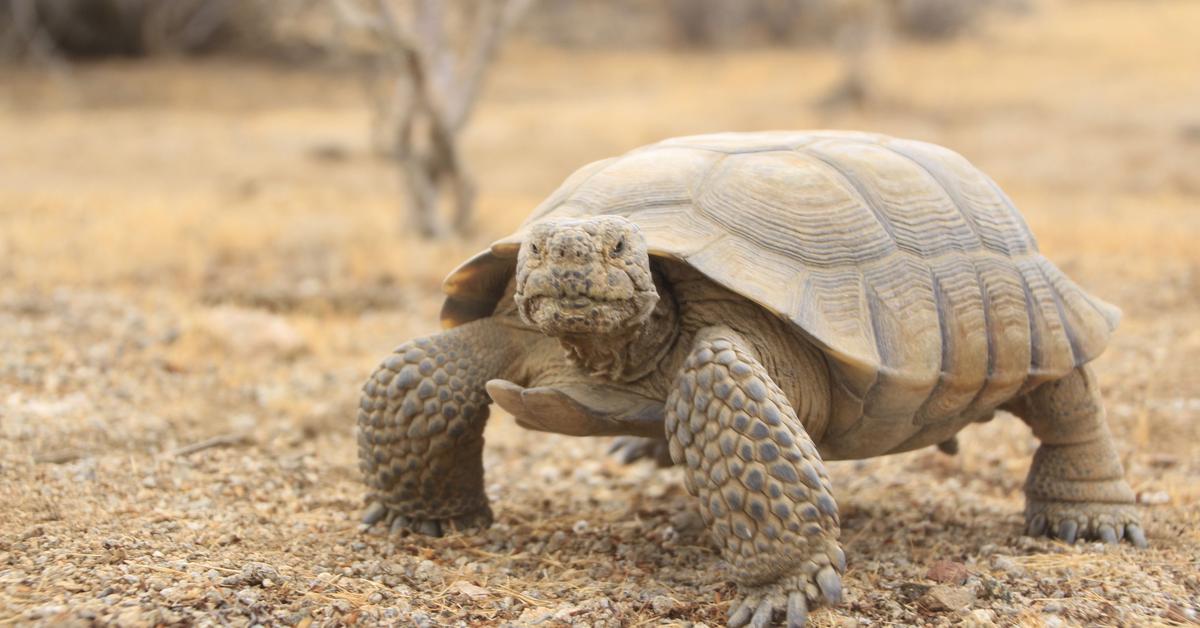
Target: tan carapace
column 907, row 265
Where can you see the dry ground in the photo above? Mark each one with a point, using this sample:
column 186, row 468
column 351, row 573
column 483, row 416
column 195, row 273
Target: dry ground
column 209, row 250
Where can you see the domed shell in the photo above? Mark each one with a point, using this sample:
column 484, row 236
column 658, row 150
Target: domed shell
column 902, row 261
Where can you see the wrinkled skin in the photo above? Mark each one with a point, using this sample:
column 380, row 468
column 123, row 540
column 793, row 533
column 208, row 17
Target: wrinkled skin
column 584, row 277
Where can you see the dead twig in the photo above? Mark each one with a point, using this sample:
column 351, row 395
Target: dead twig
column 221, row 440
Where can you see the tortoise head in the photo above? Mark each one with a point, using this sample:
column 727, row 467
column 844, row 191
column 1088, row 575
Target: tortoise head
column 584, row 276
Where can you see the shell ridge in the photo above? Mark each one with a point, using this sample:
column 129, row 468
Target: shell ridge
column 756, row 216
column 1104, row 310
column 1088, row 321
column 868, row 199
column 873, row 309
column 1012, row 210
column 950, row 191
column 1077, row 354
column 1035, row 332
column 708, row 174
column 946, row 340
column 708, row 245
column 986, row 299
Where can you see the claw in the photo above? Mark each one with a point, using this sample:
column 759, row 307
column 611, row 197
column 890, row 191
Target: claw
column 398, row 524
column 839, row 560
column 1037, row 525
column 625, row 450
column 762, row 616
column 429, row 527
column 1067, row 531
column 460, row 524
column 1107, row 534
column 830, row 585
column 373, row 514
column 740, row 616
column 1134, row 533
column 797, row 610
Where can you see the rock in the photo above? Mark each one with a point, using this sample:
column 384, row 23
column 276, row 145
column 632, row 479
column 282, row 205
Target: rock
column 911, row 591
column 1008, row 565
column 979, row 618
column 255, row 574
column 1182, row 614
column 247, row 597
column 130, row 617
column 662, row 604
column 565, row 612
column 687, row 521
column 944, row 597
column 249, row 331
column 1162, row 461
column 470, row 590
column 948, row 572
column 534, row 616
column 1153, row 498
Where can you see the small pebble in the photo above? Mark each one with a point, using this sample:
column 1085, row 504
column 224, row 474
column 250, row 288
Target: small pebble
column 662, row 604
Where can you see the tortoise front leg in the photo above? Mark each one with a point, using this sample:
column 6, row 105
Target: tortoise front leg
column 762, row 486
column 420, row 429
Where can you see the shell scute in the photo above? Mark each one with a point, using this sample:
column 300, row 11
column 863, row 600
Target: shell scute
column 761, row 198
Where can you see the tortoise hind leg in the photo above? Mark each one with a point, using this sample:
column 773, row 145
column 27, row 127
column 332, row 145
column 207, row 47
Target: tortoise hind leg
column 420, row 430
column 1076, row 487
column 762, row 486
column 630, row 449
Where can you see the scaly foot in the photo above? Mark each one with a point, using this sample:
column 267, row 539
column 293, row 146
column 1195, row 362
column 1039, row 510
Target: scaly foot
column 790, row 597
column 1070, row 521
column 395, row 522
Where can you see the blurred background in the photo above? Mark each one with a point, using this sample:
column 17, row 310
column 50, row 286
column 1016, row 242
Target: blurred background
column 216, row 216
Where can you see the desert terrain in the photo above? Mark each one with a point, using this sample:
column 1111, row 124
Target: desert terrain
column 202, row 261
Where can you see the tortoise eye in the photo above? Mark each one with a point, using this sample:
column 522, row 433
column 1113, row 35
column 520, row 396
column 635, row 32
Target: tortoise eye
column 619, row 248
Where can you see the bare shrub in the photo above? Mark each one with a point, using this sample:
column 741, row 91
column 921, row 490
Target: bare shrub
column 433, row 56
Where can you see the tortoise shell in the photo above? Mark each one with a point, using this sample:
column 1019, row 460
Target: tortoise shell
column 907, row 265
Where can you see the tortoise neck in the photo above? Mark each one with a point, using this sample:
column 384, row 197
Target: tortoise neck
column 628, row 355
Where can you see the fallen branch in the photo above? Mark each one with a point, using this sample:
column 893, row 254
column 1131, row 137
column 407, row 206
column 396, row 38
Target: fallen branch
column 221, row 440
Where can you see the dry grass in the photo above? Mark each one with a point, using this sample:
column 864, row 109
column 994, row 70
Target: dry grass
column 145, row 207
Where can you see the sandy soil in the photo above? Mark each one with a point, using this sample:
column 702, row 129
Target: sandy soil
column 209, row 251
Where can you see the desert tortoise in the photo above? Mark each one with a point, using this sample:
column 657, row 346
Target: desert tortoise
column 763, row 301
